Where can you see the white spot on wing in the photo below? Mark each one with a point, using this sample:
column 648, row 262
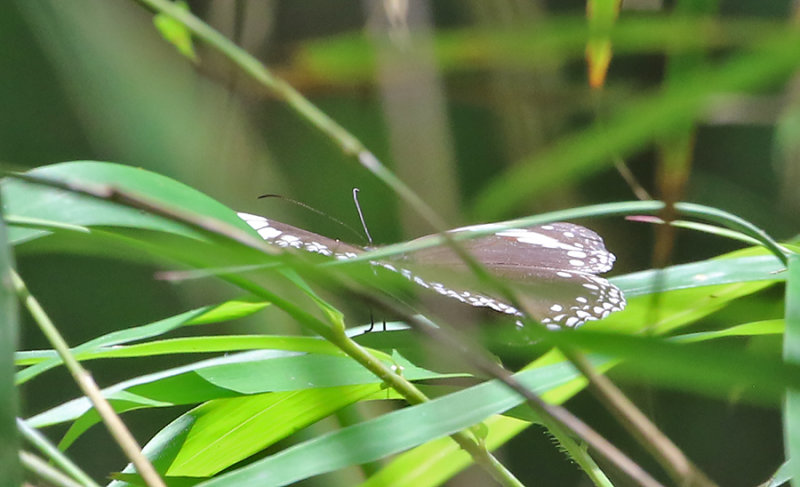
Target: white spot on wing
column 269, row 233
column 535, row 238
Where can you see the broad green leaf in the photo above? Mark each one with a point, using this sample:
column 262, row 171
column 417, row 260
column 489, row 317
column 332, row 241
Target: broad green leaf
column 732, row 269
column 230, row 430
column 220, row 433
column 675, row 309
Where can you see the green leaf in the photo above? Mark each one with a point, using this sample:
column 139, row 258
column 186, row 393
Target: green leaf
column 791, row 353
column 37, row 204
column 209, row 344
column 233, row 309
column 9, row 446
column 729, row 269
column 176, row 32
column 350, row 58
column 436, row 461
column 230, row 430
column 46, row 360
column 162, row 450
column 393, row 432
column 219, row 433
column 231, row 376
column 767, row 327
column 782, row 476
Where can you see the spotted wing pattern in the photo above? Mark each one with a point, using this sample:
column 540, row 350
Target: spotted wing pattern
column 287, row 236
column 555, row 265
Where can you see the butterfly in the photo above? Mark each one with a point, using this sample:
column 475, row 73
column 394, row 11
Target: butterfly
column 555, row 265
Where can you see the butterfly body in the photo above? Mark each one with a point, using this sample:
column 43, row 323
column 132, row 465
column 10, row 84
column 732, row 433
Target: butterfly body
column 554, row 266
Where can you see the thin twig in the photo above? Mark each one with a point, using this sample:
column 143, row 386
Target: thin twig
column 84, row 380
column 347, row 142
column 630, row 178
column 549, row 412
column 671, row 458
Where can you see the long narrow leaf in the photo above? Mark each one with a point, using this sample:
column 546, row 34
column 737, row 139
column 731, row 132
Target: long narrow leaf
column 45, row 360
column 9, row 446
column 231, row 376
column 791, row 353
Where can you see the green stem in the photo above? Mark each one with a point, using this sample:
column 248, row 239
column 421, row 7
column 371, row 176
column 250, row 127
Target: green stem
column 669, row 456
column 578, row 454
column 346, row 141
column 84, row 380
column 54, row 454
column 45, row 471
column 336, row 335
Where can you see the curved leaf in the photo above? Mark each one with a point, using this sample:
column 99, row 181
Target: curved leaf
column 231, row 376
column 37, row 204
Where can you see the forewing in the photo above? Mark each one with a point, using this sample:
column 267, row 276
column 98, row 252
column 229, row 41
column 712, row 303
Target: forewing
column 287, row 236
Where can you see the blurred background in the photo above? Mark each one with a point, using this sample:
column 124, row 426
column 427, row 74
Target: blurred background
column 451, row 95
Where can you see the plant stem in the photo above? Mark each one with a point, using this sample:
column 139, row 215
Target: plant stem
column 668, row 455
column 54, row 454
column 550, row 414
column 45, row 471
column 336, row 335
column 414, row 396
column 84, row 380
column 347, row 142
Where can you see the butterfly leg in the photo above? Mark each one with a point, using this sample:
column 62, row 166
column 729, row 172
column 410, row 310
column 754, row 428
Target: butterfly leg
column 372, row 323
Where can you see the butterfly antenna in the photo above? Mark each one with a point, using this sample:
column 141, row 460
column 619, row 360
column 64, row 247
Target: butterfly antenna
column 318, row 212
column 361, row 215
column 369, row 239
